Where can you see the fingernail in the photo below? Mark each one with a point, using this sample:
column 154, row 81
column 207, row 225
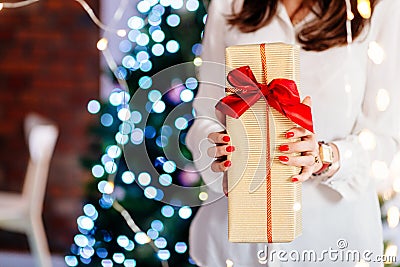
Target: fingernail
column 289, row 134
column 226, row 138
column 284, row 148
column 295, row 180
column 230, row 148
column 227, row 163
column 283, row 158
column 226, row 194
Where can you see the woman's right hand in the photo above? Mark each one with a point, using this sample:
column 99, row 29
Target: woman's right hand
column 220, row 152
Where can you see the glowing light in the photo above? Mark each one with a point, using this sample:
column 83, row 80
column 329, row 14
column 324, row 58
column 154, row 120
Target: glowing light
column 106, row 263
column 350, row 15
column 101, row 252
column 121, row 138
column 133, row 34
column 142, row 56
column 144, row 179
column 165, row 179
column 376, row 53
column 297, row 206
column 128, row 62
column 121, row 33
column 158, row 36
column 180, row 247
column 185, row 212
column 119, row 257
column 93, row 106
column 205, row 18
column 192, row 5
column 367, row 139
column 160, row 242
column 130, row 263
column 85, row 223
column 128, row 177
column 186, row 95
column 197, row 61
column 382, row 99
column 153, row 234
column 150, row 192
column 146, row 66
column 391, row 252
column 169, row 166
column 173, row 20
column 229, row 263
column 149, row 131
column 71, row 261
column 172, row 46
column 157, row 225
column 113, row 151
column 97, row 171
column 109, row 188
column 142, row 238
column 167, row 211
column 143, row 6
column 165, row 2
column 81, row 240
column 154, row 95
column 126, row 127
column 364, row 8
column 110, row 167
column 106, row 120
column 176, row 4
column 90, row 211
column 87, row 252
column 145, row 82
column 1, row 7
column 157, row 49
column 203, row 196
column 393, row 216
column 142, row 39
column 380, row 170
column 130, row 246
column 102, row 44
column 125, row 46
column 191, row 83
column 137, row 136
column 159, row 107
column 181, row 123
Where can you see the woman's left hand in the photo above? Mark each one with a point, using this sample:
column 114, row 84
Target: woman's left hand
column 308, row 146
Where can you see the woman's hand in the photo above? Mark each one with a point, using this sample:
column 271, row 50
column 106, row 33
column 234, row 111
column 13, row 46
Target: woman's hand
column 220, row 151
column 308, row 148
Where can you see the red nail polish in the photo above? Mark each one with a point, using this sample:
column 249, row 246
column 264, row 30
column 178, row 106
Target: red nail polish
column 283, row 158
column 226, row 194
column 230, row 148
column 227, row 163
column 226, row 138
column 284, row 148
column 289, row 134
column 295, row 180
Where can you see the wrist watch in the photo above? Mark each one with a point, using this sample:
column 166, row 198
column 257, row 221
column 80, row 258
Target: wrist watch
column 326, row 156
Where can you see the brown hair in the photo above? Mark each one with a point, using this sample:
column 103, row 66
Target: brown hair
column 327, row 30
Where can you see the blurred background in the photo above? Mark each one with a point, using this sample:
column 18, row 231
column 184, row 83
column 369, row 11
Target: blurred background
column 77, row 75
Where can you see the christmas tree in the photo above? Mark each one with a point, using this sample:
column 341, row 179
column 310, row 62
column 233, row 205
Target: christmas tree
column 139, row 205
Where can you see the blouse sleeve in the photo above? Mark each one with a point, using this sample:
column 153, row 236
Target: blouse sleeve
column 211, row 89
column 376, row 135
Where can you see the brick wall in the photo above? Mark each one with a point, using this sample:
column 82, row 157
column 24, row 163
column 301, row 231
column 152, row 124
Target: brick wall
column 48, row 64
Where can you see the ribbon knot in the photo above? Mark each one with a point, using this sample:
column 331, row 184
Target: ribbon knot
column 281, row 94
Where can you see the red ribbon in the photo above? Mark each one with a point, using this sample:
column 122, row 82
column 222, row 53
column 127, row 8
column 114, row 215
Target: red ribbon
column 281, row 94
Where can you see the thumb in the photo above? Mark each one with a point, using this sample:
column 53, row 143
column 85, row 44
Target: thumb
column 307, row 101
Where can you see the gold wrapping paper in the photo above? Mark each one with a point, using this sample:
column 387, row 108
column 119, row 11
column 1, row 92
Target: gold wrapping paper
column 261, row 210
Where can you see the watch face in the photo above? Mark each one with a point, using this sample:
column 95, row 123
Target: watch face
column 326, row 153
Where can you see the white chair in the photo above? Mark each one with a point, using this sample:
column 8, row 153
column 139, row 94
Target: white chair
column 22, row 212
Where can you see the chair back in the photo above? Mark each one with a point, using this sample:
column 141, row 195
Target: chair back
column 41, row 137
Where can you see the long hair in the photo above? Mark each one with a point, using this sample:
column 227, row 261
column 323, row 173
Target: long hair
column 327, row 30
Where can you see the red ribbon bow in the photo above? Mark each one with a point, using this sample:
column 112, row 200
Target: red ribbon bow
column 281, row 94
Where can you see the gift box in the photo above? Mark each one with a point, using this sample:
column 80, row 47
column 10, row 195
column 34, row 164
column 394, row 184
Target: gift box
column 261, row 105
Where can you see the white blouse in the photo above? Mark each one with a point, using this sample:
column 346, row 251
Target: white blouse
column 356, row 105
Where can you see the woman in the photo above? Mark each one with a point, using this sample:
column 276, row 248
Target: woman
column 347, row 88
